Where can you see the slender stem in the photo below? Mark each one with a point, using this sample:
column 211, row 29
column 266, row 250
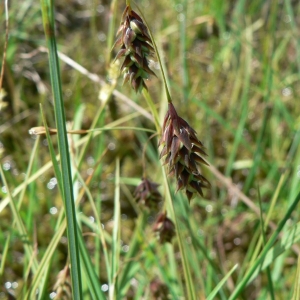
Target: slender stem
column 111, row 30
column 158, row 57
column 191, row 295
column 144, row 154
column 5, row 44
column 270, row 283
column 153, row 109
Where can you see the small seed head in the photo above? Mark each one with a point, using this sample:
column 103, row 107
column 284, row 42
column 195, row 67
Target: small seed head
column 136, row 46
column 147, row 194
column 183, row 154
column 164, row 227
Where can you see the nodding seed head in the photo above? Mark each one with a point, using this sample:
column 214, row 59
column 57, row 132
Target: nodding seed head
column 183, row 154
column 147, row 193
column 164, row 227
column 136, row 46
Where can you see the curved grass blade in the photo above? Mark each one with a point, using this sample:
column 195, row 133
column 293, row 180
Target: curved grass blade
column 20, row 225
column 93, row 280
column 45, row 260
column 216, row 290
column 289, row 238
column 264, row 252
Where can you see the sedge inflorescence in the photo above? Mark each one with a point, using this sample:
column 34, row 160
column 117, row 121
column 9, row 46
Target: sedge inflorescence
column 183, row 153
column 164, row 227
column 136, row 46
column 147, row 194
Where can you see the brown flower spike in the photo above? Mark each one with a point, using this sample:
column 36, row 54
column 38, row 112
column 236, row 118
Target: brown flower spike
column 136, row 46
column 147, row 193
column 164, row 227
column 183, row 153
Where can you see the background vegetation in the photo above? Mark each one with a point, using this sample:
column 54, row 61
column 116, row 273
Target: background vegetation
column 233, row 69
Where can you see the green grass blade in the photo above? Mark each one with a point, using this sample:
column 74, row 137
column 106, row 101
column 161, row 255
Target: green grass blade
column 244, row 108
column 216, row 290
column 43, row 283
column 191, row 293
column 21, row 197
column 129, row 270
column 4, row 255
column 115, row 251
column 45, row 261
column 268, row 246
column 270, row 283
column 55, row 165
column 20, row 225
column 163, row 271
column 183, row 50
column 98, row 222
column 48, row 21
column 93, row 280
column 296, row 294
column 289, row 238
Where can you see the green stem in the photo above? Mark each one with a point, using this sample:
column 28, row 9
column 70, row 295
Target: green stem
column 191, row 294
column 153, row 109
column 159, row 60
column 111, row 30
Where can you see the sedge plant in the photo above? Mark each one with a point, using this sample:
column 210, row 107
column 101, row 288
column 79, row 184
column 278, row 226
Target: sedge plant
column 128, row 202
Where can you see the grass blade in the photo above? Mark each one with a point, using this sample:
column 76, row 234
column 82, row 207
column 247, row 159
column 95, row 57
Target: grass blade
column 296, row 294
column 115, row 252
column 269, row 244
column 216, row 290
column 48, row 21
column 93, row 280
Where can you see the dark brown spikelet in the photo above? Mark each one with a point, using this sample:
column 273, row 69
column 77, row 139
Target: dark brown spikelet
column 164, row 227
column 183, row 153
column 135, row 42
column 147, row 193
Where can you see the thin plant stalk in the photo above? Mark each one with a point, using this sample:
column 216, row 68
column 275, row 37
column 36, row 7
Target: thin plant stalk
column 111, row 29
column 153, row 109
column 115, row 255
column 191, row 294
column 187, row 272
column 159, row 60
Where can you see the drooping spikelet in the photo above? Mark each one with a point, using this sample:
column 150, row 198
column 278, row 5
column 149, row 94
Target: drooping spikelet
column 164, row 227
column 136, row 46
column 184, row 152
column 147, row 193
